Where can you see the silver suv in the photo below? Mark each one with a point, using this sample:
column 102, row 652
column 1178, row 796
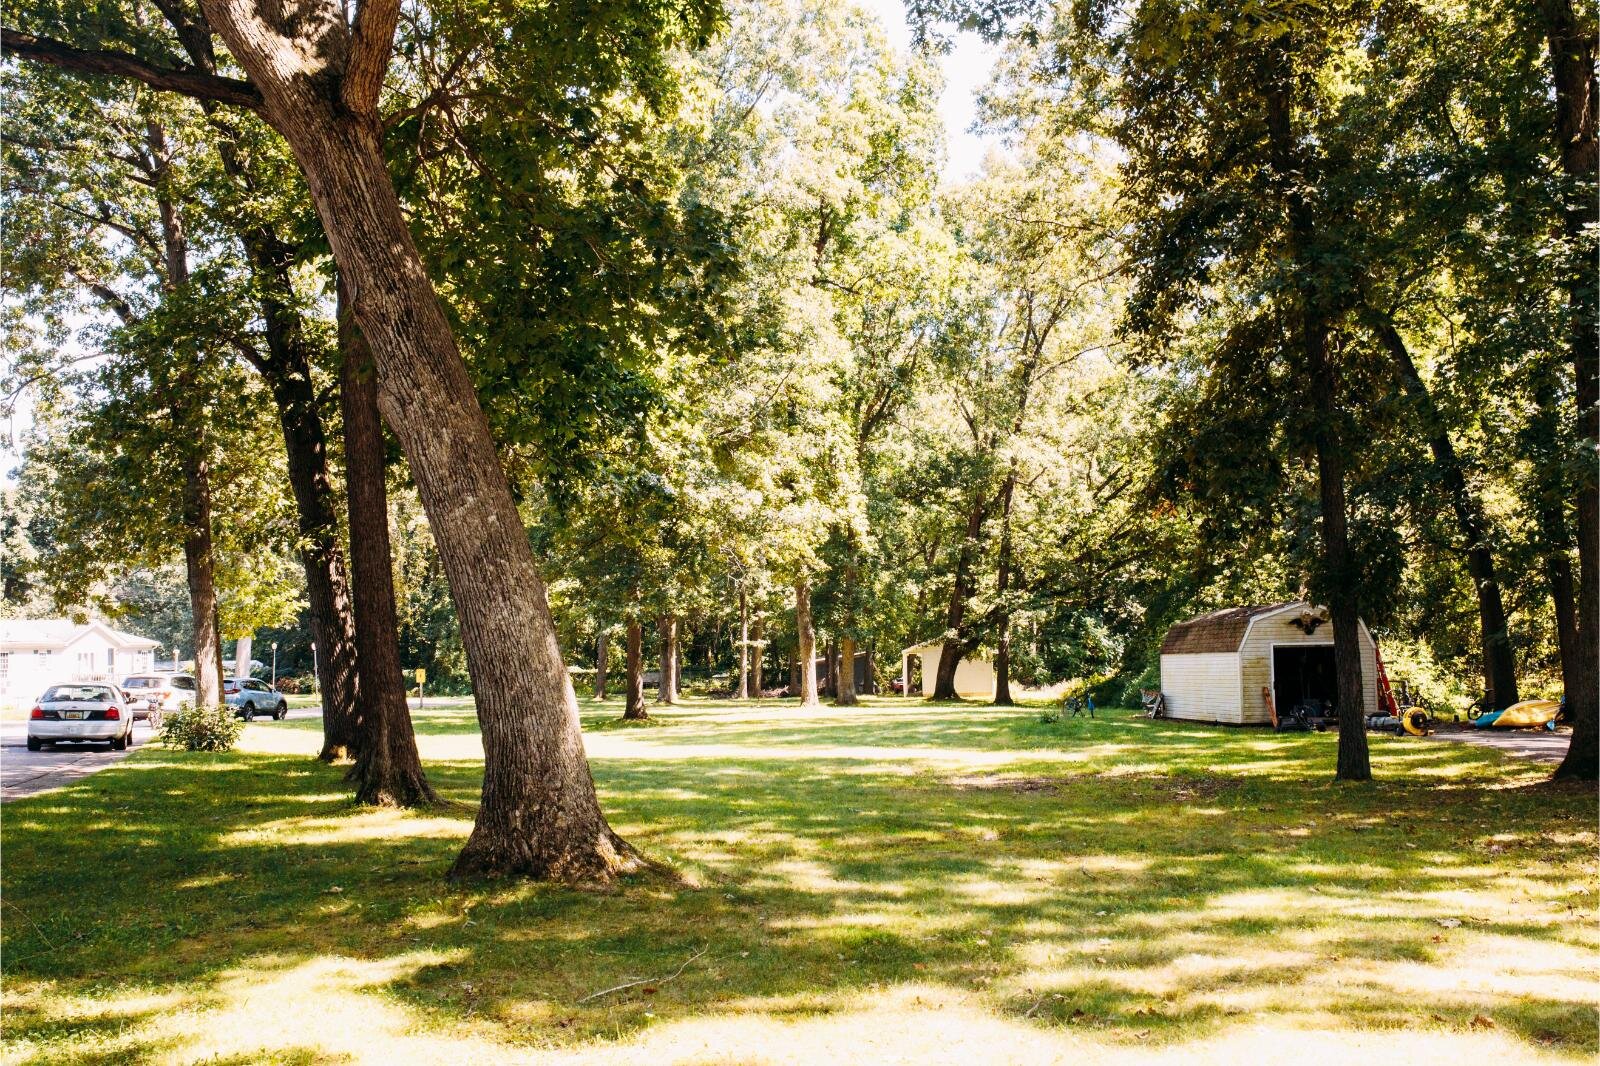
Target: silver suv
column 249, row 697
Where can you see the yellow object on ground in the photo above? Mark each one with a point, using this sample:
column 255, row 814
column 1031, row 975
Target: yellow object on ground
column 1527, row 713
column 1415, row 721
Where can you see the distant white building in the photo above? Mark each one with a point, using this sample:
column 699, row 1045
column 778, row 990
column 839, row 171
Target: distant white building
column 36, row 653
column 975, row 676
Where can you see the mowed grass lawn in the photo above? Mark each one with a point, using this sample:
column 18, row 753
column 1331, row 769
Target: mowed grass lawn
column 897, row 882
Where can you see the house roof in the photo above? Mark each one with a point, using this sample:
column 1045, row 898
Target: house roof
column 53, row 634
column 1218, row 631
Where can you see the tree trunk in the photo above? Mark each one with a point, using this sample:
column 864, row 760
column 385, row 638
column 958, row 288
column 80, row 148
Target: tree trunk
column 955, row 639
column 188, row 424
column 602, row 649
column 201, row 579
column 1572, row 61
column 758, row 652
column 808, row 644
column 1322, row 403
column 794, row 673
column 633, row 708
column 667, row 691
column 1002, row 584
column 540, row 815
column 844, row 685
column 830, row 668
column 1499, row 663
column 743, row 691
column 388, row 769
column 288, row 374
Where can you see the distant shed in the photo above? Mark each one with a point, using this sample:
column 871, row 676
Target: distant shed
column 1214, row 667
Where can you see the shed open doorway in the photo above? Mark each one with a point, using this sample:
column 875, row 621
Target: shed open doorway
column 1304, row 674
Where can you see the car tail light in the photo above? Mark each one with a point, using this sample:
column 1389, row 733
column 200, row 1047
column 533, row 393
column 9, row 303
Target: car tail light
column 36, row 714
column 112, row 714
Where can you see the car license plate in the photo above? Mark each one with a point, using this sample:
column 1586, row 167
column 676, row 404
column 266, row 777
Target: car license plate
column 74, row 715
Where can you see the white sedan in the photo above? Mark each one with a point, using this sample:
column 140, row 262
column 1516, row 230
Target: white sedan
column 81, row 712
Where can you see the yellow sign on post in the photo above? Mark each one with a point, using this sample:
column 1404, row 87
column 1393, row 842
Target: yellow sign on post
column 422, row 675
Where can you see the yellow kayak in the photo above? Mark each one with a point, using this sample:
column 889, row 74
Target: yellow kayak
column 1525, row 715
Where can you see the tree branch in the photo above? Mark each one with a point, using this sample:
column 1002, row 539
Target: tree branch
column 369, row 54
column 190, row 83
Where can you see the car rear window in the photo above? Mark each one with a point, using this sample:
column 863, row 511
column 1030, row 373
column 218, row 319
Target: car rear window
column 230, row 686
column 142, row 682
column 183, row 682
column 77, row 694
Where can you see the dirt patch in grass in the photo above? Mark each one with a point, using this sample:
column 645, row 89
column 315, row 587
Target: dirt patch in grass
column 996, row 783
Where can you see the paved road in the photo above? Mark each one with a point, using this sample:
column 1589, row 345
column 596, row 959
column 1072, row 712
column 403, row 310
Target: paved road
column 1535, row 744
column 26, row 773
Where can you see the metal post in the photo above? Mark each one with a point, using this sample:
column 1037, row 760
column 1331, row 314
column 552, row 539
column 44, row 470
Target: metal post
column 314, row 690
column 274, row 666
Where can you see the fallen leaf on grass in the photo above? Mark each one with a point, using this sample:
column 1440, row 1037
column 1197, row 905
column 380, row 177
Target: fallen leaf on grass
column 1448, row 923
column 1480, row 1021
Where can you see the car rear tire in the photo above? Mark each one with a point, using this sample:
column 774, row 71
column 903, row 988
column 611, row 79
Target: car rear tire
column 282, row 712
column 119, row 743
column 249, row 713
column 34, row 744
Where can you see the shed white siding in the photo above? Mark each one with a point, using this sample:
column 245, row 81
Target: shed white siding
column 1225, row 686
column 1274, row 631
column 1202, row 687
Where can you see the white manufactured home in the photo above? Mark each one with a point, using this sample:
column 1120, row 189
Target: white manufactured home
column 36, row 653
column 1215, row 668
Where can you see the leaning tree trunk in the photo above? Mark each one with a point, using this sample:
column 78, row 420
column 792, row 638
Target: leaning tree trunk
column 633, row 708
column 602, row 649
column 667, row 690
column 388, row 769
column 1577, row 97
column 808, row 644
column 1499, row 662
column 287, row 371
column 539, row 815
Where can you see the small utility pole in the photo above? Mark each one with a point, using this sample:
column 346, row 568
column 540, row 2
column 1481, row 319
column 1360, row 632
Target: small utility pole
column 314, row 690
column 274, row 666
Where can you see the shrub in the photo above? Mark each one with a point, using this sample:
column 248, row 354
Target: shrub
column 202, row 729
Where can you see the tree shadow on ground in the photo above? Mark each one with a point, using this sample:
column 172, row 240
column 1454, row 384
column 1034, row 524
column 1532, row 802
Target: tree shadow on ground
column 1172, row 882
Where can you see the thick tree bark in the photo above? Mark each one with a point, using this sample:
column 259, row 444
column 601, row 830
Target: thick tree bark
column 633, row 708
column 742, row 690
column 667, row 691
column 1572, row 62
column 956, row 641
column 758, row 653
column 201, row 578
column 1322, row 403
column 844, row 686
column 808, row 644
column 602, row 649
column 540, row 815
column 1499, row 663
column 1002, row 584
column 388, row 769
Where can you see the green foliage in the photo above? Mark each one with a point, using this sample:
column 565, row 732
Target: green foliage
column 196, row 728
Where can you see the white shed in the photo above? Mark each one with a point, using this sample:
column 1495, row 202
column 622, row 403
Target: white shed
column 1214, row 667
column 36, row 653
column 975, row 676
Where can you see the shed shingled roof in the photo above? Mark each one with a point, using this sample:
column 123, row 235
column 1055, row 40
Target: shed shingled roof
column 1218, row 631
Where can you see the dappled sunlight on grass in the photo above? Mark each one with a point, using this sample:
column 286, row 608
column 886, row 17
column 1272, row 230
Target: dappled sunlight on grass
column 903, row 882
